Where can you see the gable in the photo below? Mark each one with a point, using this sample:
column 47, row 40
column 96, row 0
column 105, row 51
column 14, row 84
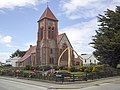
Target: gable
column 63, row 39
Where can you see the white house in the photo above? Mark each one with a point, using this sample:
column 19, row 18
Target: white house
column 89, row 59
column 12, row 61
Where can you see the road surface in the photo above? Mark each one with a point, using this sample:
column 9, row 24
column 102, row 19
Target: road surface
column 12, row 85
column 106, row 86
column 7, row 83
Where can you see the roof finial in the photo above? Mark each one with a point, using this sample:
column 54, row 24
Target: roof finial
column 47, row 4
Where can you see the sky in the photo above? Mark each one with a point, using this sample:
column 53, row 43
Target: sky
column 77, row 18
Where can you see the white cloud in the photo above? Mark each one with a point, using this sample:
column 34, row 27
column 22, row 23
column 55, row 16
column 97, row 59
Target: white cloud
column 5, row 39
column 4, row 56
column 27, row 45
column 80, row 35
column 44, row 1
column 17, row 3
column 75, row 9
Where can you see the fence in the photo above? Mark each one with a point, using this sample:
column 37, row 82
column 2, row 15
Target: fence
column 59, row 77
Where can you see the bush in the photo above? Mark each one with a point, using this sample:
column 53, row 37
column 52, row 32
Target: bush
column 73, row 69
column 81, row 69
column 118, row 66
column 7, row 65
column 104, row 70
column 26, row 74
column 55, row 67
column 27, row 67
column 88, row 69
column 45, row 68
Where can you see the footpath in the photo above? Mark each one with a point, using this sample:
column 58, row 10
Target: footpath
column 65, row 85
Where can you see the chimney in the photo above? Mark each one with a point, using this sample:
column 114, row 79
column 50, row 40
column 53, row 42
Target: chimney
column 30, row 46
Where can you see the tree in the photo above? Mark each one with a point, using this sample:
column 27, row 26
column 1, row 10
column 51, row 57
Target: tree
column 18, row 53
column 107, row 39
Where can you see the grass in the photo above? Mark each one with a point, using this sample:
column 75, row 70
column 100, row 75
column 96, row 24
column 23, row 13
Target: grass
column 97, row 84
column 76, row 73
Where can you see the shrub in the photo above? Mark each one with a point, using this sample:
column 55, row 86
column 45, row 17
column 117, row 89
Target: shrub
column 65, row 68
column 55, row 67
column 45, row 68
column 73, row 69
column 118, row 66
column 27, row 67
column 88, row 69
column 61, row 67
column 81, row 69
column 26, row 74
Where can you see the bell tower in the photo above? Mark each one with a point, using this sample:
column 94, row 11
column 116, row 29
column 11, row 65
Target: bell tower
column 47, row 49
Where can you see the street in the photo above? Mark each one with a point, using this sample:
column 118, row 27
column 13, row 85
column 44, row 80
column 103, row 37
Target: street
column 106, row 86
column 12, row 85
column 6, row 83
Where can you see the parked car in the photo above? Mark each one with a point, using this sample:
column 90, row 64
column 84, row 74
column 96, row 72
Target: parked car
column 62, row 74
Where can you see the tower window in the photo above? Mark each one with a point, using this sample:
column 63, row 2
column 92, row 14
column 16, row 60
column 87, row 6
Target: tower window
column 49, row 34
column 41, row 33
column 49, row 28
column 51, row 51
column 85, row 60
column 52, row 28
column 51, row 60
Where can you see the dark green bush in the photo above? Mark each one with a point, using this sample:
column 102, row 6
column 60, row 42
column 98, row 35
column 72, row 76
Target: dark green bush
column 73, row 69
column 27, row 67
column 26, row 74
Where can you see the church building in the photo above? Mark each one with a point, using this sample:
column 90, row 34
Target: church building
column 49, row 46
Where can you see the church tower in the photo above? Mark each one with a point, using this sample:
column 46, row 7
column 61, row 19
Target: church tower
column 47, row 49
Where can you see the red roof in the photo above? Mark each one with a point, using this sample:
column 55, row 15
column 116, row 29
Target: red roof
column 59, row 38
column 28, row 53
column 48, row 14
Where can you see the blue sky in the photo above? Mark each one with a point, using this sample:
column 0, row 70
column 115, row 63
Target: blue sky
column 77, row 18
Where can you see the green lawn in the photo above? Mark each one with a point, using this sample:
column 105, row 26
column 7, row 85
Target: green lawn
column 76, row 73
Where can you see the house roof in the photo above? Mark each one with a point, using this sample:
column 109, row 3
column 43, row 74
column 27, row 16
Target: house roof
column 48, row 14
column 86, row 56
column 14, row 58
column 28, row 53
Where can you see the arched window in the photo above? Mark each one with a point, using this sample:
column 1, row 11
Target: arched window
column 51, row 60
column 49, row 32
column 41, row 34
column 51, row 51
column 52, row 32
